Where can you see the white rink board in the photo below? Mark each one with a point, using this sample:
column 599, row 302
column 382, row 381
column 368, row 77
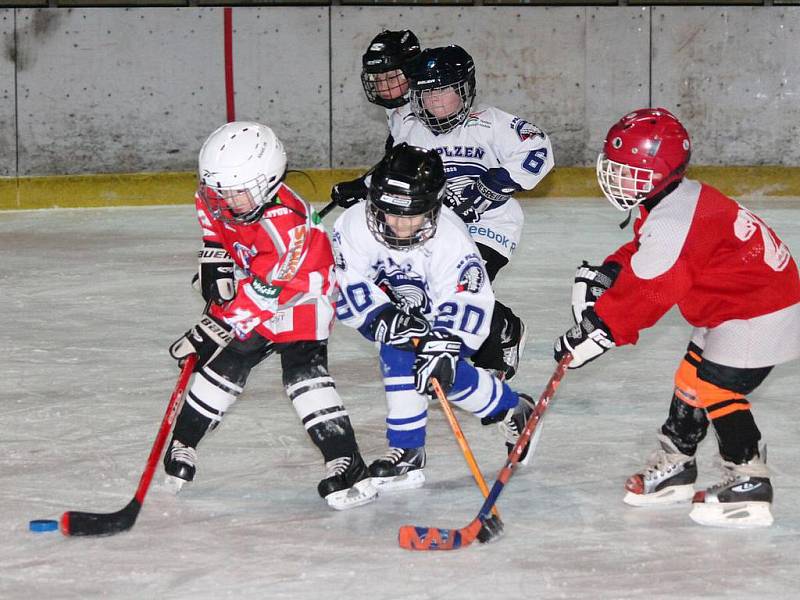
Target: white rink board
column 93, row 298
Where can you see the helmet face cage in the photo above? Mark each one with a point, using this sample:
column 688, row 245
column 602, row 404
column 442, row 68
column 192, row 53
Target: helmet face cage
column 240, row 204
column 387, row 89
column 444, row 107
column 623, row 185
column 420, row 228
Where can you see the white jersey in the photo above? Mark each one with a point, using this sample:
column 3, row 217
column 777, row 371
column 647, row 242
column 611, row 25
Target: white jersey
column 443, row 280
column 489, row 138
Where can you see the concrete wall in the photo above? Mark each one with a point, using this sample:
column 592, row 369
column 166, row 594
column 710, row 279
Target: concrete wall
column 126, row 90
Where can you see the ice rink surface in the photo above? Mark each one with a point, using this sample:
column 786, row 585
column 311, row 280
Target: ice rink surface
column 92, row 299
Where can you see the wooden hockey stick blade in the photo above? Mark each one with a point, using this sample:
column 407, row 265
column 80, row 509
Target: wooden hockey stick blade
column 412, row 537
column 77, row 523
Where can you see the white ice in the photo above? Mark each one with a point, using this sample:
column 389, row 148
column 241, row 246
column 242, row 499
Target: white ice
column 92, row 298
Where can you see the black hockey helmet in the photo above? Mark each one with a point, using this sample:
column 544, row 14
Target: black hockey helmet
column 405, row 196
column 433, row 75
column 381, row 75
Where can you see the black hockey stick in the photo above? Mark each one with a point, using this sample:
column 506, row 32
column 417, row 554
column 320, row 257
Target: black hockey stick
column 87, row 523
column 484, row 527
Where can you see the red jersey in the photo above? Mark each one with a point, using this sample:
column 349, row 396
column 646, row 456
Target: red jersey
column 284, row 278
column 704, row 252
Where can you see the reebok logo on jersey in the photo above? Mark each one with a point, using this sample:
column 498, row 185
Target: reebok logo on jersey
column 489, row 233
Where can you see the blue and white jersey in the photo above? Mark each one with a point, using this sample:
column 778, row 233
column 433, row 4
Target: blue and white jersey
column 443, row 280
column 489, row 138
column 518, row 153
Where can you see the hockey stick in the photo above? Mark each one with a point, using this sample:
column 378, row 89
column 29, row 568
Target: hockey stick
column 482, row 527
column 462, row 442
column 85, row 523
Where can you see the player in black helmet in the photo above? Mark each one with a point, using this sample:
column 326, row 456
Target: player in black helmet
column 406, row 198
column 381, row 67
column 412, row 281
column 443, row 87
column 385, row 85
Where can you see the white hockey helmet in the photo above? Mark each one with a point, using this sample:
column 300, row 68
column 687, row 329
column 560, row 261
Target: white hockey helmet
column 241, row 166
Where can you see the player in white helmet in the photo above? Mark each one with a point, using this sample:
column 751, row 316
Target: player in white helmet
column 266, row 271
column 733, row 280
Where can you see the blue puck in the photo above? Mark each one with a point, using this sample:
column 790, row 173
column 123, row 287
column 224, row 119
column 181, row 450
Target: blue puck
column 42, row 525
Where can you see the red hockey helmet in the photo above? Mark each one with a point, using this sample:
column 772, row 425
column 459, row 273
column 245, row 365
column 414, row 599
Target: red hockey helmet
column 643, row 153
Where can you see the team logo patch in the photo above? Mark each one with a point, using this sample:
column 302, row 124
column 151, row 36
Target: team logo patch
column 471, row 278
column 525, row 130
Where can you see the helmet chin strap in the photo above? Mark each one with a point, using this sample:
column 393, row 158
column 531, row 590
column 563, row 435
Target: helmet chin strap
column 627, row 220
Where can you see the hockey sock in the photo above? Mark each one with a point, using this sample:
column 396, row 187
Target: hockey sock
column 191, row 426
column 686, row 426
column 737, row 433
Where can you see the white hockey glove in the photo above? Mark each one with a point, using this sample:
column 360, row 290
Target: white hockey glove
column 437, row 356
column 214, row 278
column 204, row 339
column 585, row 341
column 398, row 329
column 590, row 283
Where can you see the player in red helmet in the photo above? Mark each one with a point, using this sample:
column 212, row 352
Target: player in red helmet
column 732, row 279
column 644, row 152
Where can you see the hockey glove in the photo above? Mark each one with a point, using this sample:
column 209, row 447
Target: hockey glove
column 214, row 278
column 437, row 356
column 349, row 193
column 585, row 341
column 590, row 283
column 477, row 197
column 396, row 328
column 204, row 339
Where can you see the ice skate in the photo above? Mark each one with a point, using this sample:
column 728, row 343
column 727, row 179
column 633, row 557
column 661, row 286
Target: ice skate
column 667, row 478
column 179, row 465
column 513, row 424
column 347, row 483
column 513, row 345
column 742, row 499
column 399, row 469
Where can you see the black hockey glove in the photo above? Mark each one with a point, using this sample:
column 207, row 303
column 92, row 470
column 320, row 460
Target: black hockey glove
column 437, row 356
column 585, row 341
column 349, row 193
column 477, row 197
column 214, row 278
column 396, row 328
column 590, row 283
column 204, row 339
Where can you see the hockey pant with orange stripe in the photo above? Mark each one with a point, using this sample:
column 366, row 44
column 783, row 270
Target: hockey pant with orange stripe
column 705, row 392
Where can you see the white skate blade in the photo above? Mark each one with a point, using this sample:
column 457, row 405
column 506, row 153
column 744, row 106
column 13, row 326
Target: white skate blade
column 408, row 481
column 674, row 494
column 361, row 493
column 174, row 484
column 738, row 515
